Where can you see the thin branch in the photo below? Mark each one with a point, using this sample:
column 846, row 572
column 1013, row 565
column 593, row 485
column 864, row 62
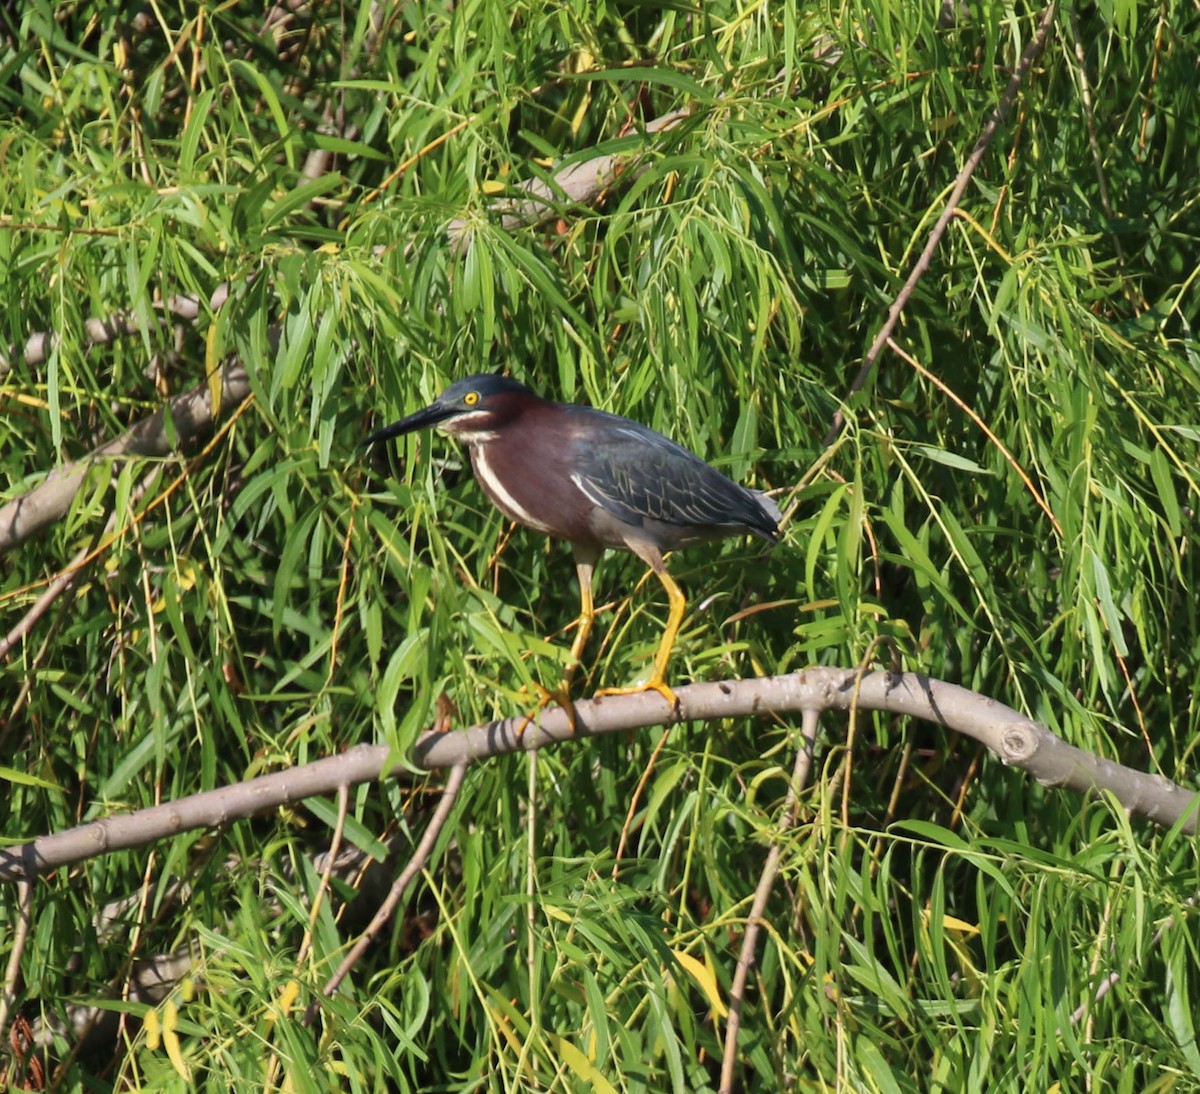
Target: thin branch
column 635, row 801
column 1114, row 978
column 791, row 810
column 1089, row 114
column 64, row 579
column 335, row 846
column 1032, row 51
column 1015, row 739
column 415, row 865
column 103, row 330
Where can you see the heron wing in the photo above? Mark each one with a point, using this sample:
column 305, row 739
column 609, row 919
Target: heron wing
column 639, row 475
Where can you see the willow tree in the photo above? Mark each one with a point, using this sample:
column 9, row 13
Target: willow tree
column 928, row 277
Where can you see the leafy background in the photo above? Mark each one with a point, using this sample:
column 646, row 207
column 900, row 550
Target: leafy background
column 939, row 919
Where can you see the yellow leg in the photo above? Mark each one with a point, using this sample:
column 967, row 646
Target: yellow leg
column 583, row 630
column 583, row 627
column 658, row 677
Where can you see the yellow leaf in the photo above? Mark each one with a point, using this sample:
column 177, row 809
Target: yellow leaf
column 493, row 187
column 185, row 576
column 581, row 112
column 153, row 1030
column 959, row 926
column 212, row 354
column 288, row 997
column 283, row 1005
column 582, row 1067
column 171, row 1041
column 556, row 913
column 506, row 1030
column 705, row 979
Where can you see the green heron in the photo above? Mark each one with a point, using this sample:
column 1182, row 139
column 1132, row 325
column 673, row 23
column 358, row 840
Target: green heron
column 596, row 480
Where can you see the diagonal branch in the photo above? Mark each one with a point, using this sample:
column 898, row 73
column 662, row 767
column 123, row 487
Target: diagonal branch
column 1032, row 51
column 191, row 413
column 415, row 865
column 1015, row 739
column 762, row 893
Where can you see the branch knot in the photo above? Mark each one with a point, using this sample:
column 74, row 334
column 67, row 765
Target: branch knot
column 1018, row 744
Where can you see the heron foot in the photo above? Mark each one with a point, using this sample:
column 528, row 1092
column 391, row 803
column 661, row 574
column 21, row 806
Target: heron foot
column 560, row 696
column 655, row 683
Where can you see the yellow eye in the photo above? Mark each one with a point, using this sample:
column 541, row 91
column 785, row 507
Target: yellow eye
column 471, row 398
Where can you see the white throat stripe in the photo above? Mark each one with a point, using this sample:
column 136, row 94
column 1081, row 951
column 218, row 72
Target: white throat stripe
column 488, row 477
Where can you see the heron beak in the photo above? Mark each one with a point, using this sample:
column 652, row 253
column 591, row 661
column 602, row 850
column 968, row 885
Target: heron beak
column 422, row 419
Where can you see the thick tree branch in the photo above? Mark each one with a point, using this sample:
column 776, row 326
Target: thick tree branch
column 1015, row 739
column 577, row 184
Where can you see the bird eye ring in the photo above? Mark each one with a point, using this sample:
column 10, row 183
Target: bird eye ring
column 471, row 398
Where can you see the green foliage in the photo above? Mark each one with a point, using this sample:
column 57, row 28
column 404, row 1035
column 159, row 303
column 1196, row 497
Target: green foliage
column 276, row 597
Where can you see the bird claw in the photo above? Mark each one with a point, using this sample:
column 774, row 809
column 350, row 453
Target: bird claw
column 560, row 695
column 653, row 684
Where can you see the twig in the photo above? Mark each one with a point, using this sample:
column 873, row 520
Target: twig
column 417, row 863
column 340, row 604
column 1015, row 739
column 20, row 937
column 1148, row 89
column 1089, row 115
column 292, row 989
column 399, row 171
column 847, row 768
column 791, row 809
column 991, row 436
column 636, row 800
column 1114, row 978
column 1032, row 52
column 335, row 846
column 527, row 1059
